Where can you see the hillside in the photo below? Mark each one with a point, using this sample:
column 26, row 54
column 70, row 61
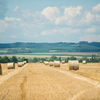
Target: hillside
column 19, row 47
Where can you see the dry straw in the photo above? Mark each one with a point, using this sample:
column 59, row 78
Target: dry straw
column 73, row 65
column 40, row 61
column 0, row 70
column 46, row 63
column 50, row 63
column 56, row 63
column 84, row 62
column 20, row 64
column 11, row 65
column 25, row 62
column 63, row 62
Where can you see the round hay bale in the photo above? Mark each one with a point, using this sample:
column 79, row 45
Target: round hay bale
column 40, row 61
column 25, row 62
column 73, row 65
column 84, row 62
column 50, row 63
column 20, row 64
column 11, row 65
column 56, row 63
column 63, row 62
column 46, row 63
column 0, row 70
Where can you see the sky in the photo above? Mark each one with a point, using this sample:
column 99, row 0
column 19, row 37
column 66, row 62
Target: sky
column 49, row 21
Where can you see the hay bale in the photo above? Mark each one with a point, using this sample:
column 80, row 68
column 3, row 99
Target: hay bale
column 11, row 65
column 40, row 61
column 56, row 63
column 50, row 63
column 63, row 62
column 46, row 63
column 73, row 65
column 20, row 64
column 84, row 62
column 25, row 62
column 0, row 70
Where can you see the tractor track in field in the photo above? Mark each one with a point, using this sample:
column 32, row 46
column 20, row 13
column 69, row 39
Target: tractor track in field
column 23, row 90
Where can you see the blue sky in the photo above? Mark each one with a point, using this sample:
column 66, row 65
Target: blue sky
column 49, row 21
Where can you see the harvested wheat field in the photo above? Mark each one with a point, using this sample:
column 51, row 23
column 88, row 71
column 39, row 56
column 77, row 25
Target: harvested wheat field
column 36, row 81
column 90, row 70
column 5, row 70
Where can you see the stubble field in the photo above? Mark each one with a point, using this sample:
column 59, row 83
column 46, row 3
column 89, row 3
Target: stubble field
column 36, row 81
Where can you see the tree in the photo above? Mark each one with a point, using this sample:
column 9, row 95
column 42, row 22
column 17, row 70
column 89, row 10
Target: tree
column 5, row 59
column 35, row 59
column 84, row 57
column 73, row 58
column 53, row 57
column 60, row 58
column 67, row 59
column 14, row 59
column 43, row 59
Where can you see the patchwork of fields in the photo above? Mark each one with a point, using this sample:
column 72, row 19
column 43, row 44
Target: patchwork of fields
column 58, row 54
column 36, row 81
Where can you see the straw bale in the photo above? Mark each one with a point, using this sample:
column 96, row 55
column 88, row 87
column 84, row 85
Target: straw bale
column 63, row 62
column 11, row 65
column 20, row 64
column 84, row 62
column 50, row 63
column 25, row 62
column 56, row 63
column 40, row 61
column 0, row 70
column 46, row 63
column 73, row 65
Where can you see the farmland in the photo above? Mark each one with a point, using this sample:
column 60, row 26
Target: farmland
column 16, row 48
column 36, row 81
column 58, row 54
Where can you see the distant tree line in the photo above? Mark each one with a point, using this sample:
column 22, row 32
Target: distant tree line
column 7, row 59
column 19, row 47
column 15, row 59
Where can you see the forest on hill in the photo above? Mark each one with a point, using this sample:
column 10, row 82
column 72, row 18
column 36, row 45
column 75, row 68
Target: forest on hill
column 19, row 47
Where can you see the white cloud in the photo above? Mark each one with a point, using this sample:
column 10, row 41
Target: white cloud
column 68, row 16
column 90, row 38
column 3, row 25
column 44, row 33
column 63, row 31
column 71, row 12
column 12, row 19
column 13, row 36
column 98, row 17
column 88, row 18
column 26, row 13
column 96, row 8
column 90, row 30
column 51, row 13
column 16, row 8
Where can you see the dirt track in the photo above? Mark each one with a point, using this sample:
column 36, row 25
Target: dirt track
column 40, row 82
